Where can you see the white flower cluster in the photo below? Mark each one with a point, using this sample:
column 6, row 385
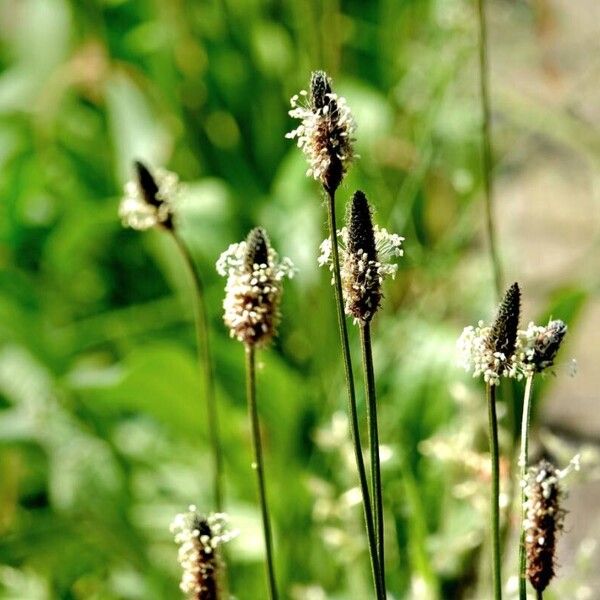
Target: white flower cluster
column 252, row 296
column 323, row 132
column 199, row 537
column 388, row 246
column 136, row 212
column 476, row 354
column 535, row 350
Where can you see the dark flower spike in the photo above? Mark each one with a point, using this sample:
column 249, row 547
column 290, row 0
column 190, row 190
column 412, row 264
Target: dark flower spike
column 503, row 335
column 361, row 278
column 147, row 184
column 320, row 90
column 544, row 519
column 360, row 227
column 257, row 248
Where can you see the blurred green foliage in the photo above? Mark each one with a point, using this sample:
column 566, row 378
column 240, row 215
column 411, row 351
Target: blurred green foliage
column 102, row 431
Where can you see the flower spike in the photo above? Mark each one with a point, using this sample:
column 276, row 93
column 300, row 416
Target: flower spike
column 326, row 131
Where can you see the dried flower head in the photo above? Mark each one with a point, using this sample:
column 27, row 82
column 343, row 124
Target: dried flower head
column 326, row 131
column 490, row 350
column 254, row 288
column 538, row 345
column 199, row 538
column 365, row 256
column 149, row 199
column 543, row 520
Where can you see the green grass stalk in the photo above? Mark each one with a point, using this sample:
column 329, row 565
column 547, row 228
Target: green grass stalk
column 495, row 492
column 523, row 457
column 371, row 403
column 206, row 367
column 258, row 466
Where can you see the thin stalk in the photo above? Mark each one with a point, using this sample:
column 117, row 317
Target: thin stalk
column 540, row 595
column 371, row 402
column 495, row 495
column 352, row 409
column 258, row 466
column 523, row 457
column 487, row 149
column 206, row 366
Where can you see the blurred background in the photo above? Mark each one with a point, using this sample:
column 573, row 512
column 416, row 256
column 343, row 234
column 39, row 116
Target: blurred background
column 102, row 432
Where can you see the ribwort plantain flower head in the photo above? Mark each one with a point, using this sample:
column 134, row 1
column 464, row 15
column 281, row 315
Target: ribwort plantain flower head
column 199, row 538
column 538, row 346
column 254, row 288
column 544, row 519
column 149, row 199
column 326, row 131
column 491, row 350
column 366, row 252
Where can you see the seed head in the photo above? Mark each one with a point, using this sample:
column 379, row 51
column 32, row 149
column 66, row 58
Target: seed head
column 366, row 254
column 199, row 538
column 544, row 519
column 539, row 345
column 149, row 199
column 254, row 288
column 361, row 281
column 490, row 350
column 326, row 131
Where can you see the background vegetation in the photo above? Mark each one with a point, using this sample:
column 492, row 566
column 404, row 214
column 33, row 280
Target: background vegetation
column 102, row 434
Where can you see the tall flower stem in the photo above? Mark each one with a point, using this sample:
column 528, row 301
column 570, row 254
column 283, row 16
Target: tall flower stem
column 495, row 495
column 371, row 402
column 258, row 466
column 487, row 148
column 206, row 366
column 352, row 409
column 523, row 456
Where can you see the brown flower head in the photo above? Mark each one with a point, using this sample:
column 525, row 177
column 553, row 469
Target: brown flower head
column 199, row 538
column 326, row 131
column 254, row 288
column 544, row 519
column 366, row 253
column 149, row 199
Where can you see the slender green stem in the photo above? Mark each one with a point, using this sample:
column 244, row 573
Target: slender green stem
column 523, row 457
column 352, row 409
column 371, row 402
column 495, row 495
column 258, row 466
column 487, row 149
column 540, row 595
column 206, row 366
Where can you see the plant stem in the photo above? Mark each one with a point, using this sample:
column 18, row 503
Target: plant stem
column 352, row 409
column 258, row 466
column 523, row 456
column 371, row 402
column 540, row 595
column 487, row 149
column 495, row 495
column 205, row 360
